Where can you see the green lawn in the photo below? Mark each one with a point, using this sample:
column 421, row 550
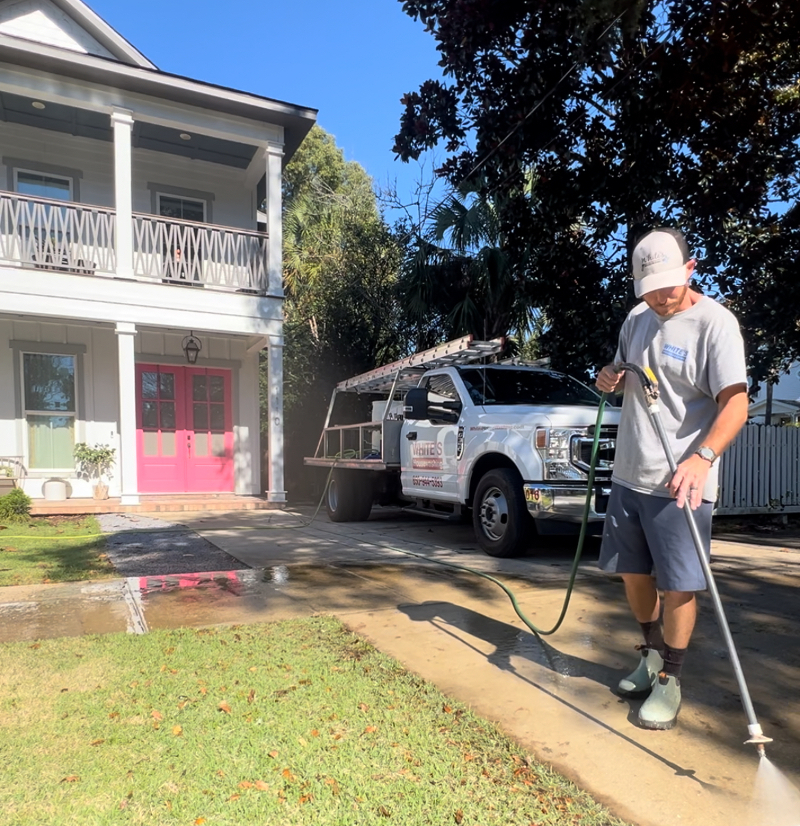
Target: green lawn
column 47, row 553
column 297, row 722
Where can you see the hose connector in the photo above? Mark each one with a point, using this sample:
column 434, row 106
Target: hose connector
column 647, row 378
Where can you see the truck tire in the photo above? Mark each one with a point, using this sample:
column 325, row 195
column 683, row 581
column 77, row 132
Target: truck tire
column 348, row 497
column 499, row 514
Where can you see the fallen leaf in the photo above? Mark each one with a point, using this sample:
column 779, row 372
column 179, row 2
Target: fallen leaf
column 382, row 810
column 177, row 730
column 70, row 778
column 305, row 798
column 233, row 797
column 447, row 709
column 288, row 775
column 262, row 786
column 273, row 754
column 251, row 696
column 156, row 715
column 203, row 690
column 220, row 773
column 200, row 821
column 97, row 742
column 245, row 784
column 35, row 645
column 370, row 729
column 458, row 816
column 223, row 706
column 314, row 732
column 363, row 706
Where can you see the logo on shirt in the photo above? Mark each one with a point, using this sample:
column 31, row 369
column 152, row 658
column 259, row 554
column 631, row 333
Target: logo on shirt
column 674, row 352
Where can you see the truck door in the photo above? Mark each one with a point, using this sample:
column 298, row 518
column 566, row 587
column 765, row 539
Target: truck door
column 429, row 447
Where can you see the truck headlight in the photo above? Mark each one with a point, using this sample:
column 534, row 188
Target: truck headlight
column 553, row 446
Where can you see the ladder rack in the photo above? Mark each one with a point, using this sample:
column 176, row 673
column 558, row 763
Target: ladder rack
column 405, row 373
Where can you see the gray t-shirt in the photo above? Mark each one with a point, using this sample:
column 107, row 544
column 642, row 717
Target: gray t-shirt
column 695, row 355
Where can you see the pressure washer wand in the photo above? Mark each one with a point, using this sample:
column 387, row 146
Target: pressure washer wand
column 649, row 384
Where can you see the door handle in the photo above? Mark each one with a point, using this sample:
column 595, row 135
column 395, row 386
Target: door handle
column 411, row 436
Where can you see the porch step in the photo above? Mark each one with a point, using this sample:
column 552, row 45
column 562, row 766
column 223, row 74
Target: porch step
column 155, row 504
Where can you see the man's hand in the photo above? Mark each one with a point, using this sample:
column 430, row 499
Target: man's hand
column 608, row 380
column 689, row 480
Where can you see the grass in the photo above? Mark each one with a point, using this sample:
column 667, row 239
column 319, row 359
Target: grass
column 297, row 722
column 57, row 556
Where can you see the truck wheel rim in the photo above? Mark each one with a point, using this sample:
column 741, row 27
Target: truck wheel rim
column 333, row 498
column 494, row 514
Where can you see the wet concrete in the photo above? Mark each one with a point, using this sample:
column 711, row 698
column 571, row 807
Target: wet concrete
column 553, row 694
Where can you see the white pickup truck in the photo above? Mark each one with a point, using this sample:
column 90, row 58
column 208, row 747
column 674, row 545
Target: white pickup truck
column 453, row 434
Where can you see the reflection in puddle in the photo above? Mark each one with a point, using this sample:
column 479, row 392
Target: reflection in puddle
column 279, row 575
column 227, row 581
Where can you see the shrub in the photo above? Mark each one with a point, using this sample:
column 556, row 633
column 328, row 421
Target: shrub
column 15, row 506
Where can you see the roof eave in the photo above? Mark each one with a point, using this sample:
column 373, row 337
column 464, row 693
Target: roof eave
column 295, row 120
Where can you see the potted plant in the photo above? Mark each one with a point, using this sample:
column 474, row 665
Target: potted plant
column 95, row 463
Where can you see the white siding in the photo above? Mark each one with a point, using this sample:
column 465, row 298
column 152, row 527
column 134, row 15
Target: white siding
column 232, row 205
column 98, row 396
column 43, row 22
column 98, row 411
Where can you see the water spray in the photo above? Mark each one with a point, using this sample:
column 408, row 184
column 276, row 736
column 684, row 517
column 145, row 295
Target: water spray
column 649, row 384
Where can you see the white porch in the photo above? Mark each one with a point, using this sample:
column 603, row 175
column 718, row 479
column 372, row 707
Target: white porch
column 97, row 398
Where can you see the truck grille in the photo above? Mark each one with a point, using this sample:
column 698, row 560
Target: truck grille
column 581, row 452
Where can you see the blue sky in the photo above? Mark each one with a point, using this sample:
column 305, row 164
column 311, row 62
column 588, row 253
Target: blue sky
column 351, row 59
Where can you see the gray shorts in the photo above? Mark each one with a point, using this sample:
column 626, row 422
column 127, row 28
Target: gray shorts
column 644, row 533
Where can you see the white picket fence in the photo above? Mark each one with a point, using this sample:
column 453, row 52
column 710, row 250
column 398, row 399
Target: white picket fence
column 760, row 472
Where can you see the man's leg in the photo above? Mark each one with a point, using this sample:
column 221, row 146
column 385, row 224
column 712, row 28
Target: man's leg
column 645, row 607
column 660, row 711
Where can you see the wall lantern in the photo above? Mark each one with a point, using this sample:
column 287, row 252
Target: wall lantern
column 192, row 347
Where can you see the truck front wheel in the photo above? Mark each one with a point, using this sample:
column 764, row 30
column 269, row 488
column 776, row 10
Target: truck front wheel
column 499, row 514
column 348, row 497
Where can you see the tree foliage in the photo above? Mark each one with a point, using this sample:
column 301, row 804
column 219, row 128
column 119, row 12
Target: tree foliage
column 340, row 264
column 590, row 121
column 458, row 277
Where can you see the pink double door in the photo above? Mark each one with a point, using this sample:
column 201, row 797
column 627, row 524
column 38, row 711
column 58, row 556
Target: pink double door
column 184, row 429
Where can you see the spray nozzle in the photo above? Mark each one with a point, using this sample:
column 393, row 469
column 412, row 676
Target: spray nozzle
column 757, row 739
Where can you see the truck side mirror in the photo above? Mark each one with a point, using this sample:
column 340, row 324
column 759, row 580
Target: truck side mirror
column 416, row 404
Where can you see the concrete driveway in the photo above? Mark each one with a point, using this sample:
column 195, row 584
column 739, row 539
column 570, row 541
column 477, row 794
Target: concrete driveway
column 552, row 694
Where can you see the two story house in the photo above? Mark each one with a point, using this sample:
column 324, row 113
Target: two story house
column 136, row 290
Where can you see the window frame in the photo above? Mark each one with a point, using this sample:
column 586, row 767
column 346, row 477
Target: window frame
column 78, row 352
column 52, row 413
column 44, row 174
column 159, row 195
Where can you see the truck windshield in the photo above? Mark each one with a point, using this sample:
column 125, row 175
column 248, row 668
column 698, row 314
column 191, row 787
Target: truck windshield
column 503, row 385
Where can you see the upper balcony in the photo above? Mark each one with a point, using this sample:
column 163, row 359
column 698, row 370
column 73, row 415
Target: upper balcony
column 69, row 237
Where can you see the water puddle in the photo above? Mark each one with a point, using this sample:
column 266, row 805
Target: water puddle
column 776, row 802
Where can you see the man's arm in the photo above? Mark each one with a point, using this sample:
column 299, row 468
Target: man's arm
column 690, row 478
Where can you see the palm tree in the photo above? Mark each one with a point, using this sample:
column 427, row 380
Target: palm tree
column 459, row 278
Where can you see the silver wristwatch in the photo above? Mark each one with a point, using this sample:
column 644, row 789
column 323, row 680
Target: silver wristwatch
column 706, row 453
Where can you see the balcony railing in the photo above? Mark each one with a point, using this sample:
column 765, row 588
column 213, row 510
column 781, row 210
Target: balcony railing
column 56, row 235
column 79, row 238
column 188, row 252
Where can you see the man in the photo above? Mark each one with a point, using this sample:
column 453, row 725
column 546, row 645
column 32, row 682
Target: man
column 694, row 346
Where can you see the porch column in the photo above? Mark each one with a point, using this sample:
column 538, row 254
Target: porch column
column 122, row 121
column 127, row 413
column 274, row 219
column 276, row 493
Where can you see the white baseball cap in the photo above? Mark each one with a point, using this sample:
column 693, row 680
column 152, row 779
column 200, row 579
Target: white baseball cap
column 659, row 261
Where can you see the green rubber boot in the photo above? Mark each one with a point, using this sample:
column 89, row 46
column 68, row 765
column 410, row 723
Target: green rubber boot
column 660, row 710
column 640, row 682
